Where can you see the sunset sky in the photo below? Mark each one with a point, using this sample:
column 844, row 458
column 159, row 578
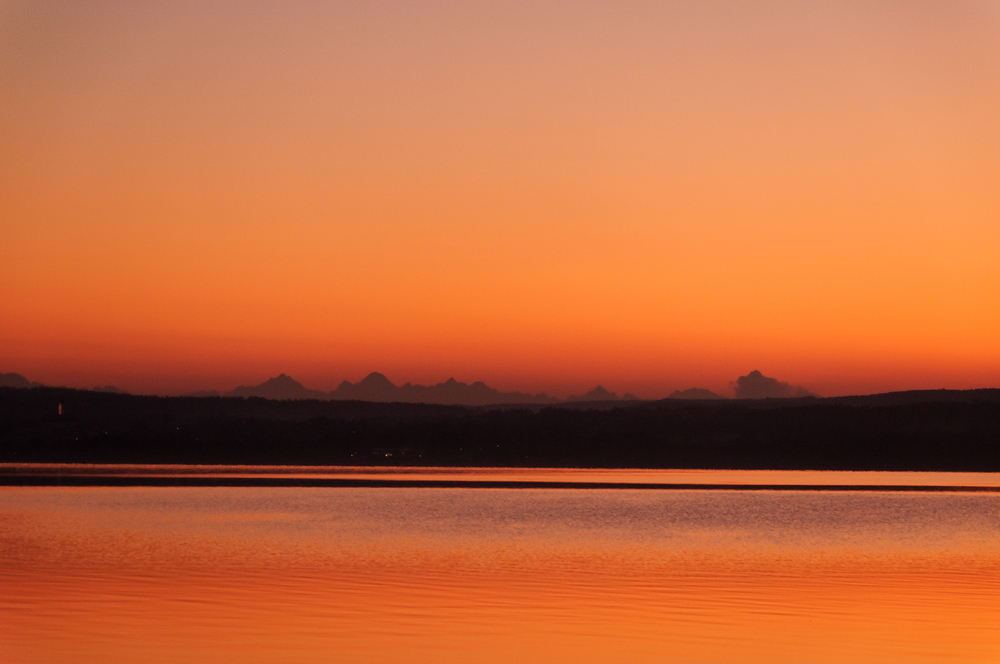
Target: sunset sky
column 541, row 195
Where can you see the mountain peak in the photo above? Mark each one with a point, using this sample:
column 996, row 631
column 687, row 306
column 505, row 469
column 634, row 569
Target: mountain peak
column 756, row 385
column 281, row 386
column 375, row 379
column 373, row 387
column 596, row 394
column 282, row 379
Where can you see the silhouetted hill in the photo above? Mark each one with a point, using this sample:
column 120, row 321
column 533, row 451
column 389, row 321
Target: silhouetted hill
column 935, row 430
column 695, row 393
column 280, row 387
column 17, row 381
column 990, row 395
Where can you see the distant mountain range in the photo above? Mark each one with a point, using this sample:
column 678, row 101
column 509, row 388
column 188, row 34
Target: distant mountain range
column 376, row 387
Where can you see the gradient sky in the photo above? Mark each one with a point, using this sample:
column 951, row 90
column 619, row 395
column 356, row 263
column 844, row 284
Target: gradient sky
column 541, row 195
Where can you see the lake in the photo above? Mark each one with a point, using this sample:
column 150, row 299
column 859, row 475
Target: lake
column 795, row 572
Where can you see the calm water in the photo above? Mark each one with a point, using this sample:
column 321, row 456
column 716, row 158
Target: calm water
column 497, row 575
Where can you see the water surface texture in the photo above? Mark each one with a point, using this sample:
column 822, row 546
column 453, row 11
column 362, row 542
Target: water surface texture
column 263, row 574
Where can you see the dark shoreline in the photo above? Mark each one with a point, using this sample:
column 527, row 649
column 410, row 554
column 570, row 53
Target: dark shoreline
column 937, row 430
column 54, row 480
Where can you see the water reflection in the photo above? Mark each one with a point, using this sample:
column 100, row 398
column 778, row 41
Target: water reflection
column 414, row 575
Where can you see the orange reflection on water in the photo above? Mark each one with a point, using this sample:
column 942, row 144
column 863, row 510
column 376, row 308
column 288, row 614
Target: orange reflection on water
column 425, row 575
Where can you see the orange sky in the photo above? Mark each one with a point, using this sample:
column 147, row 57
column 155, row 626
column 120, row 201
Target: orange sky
column 544, row 196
